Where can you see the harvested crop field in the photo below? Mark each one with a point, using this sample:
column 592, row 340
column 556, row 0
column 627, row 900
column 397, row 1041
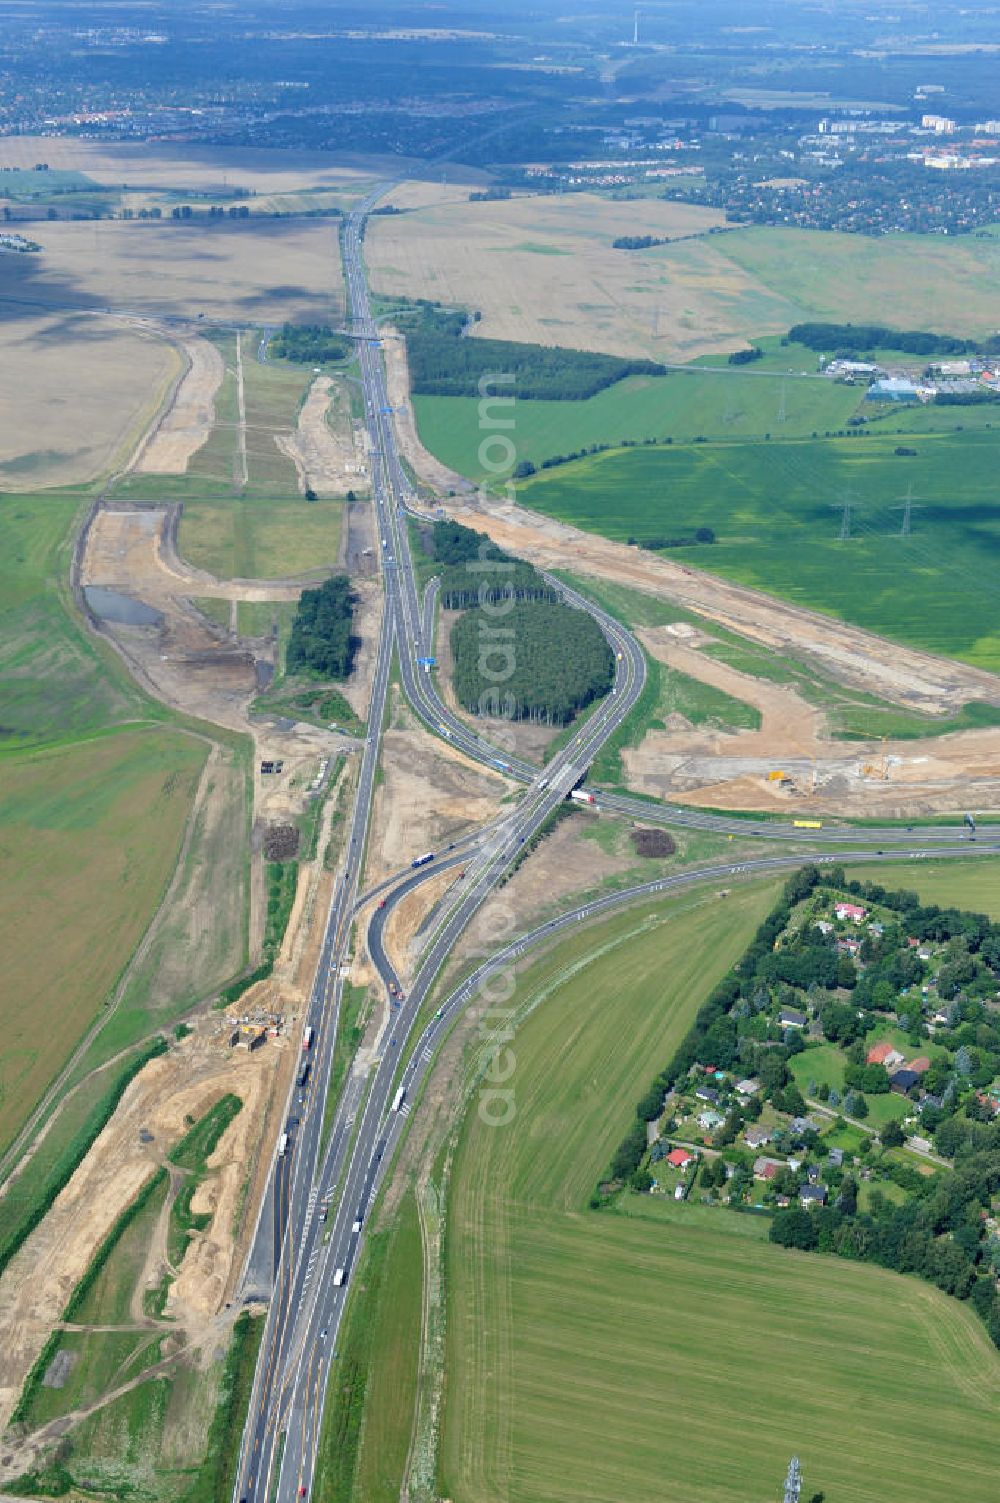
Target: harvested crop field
column 76, row 393
column 249, row 270
column 89, row 836
column 169, row 164
column 543, row 270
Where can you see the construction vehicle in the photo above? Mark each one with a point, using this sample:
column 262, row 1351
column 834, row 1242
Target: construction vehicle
column 807, row 824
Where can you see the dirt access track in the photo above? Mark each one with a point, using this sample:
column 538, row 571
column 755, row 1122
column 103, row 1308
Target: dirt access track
column 189, row 417
column 202, row 668
column 153, row 1116
column 935, row 686
column 326, row 460
column 729, row 769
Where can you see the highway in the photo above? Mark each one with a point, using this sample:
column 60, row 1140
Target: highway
column 320, row 1191
column 294, row 1364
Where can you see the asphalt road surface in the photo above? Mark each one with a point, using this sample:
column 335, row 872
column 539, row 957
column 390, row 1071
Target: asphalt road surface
column 323, row 1184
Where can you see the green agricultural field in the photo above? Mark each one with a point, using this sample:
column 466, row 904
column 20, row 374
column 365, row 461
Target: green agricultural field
column 685, row 404
column 603, row 1356
column 776, row 511
column 89, row 838
column 188, row 956
column 55, row 681
column 904, row 281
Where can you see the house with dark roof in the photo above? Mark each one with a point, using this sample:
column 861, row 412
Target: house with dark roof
column 707, row 1093
column 903, row 1081
column 790, row 1017
column 812, row 1195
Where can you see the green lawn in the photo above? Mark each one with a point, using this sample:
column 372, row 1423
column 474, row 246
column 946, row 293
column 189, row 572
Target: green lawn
column 254, row 537
column 775, row 508
column 607, row 1356
column 850, row 713
column 682, row 405
column 99, row 1361
column 171, row 1439
column 972, row 884
column 823, row 1064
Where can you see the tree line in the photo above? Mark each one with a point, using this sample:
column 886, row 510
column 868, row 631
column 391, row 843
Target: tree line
column 444, row 363
column 463, row 587
column 321, row 639
column 863, row 337
column 553, row 664
column 639, row 242
column 658, row 543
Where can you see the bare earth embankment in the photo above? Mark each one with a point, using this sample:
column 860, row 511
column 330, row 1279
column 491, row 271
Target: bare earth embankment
column 189, row 419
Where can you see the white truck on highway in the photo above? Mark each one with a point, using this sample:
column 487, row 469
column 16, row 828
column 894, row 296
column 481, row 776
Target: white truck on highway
column 399, row 1098
column 582, row 797
column 282, row 1145
column 339, row 1278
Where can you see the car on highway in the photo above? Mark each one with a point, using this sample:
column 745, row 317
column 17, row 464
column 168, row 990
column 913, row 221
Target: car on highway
column 323, row 1334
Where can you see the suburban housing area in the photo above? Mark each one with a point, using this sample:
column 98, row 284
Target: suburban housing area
column 500, row 733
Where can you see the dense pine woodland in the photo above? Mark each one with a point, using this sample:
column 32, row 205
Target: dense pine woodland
column 538, row 661
column 321, row 640
column 860, row 337
column 444, row 363
column 309, row 344
column 463, row 587
column 558, row 658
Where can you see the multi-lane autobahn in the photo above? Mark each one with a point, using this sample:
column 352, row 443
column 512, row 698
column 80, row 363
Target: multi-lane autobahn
column 322, row 1186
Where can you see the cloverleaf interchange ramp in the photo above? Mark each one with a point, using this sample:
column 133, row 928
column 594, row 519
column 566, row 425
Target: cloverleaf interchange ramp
column 312, row 1256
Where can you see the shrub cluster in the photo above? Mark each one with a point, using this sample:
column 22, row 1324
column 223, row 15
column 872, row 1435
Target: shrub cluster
column 309, row 344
